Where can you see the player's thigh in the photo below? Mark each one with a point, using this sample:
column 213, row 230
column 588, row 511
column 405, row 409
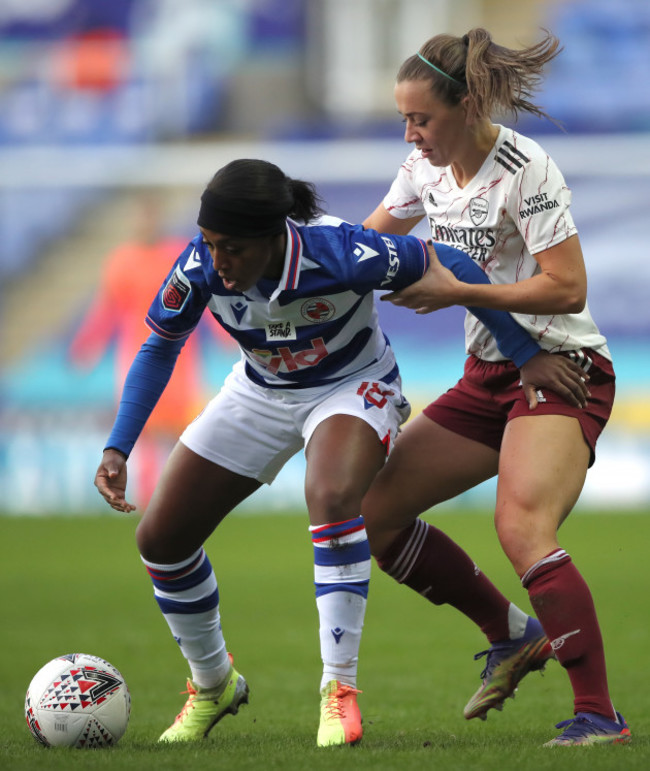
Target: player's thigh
column 429, row 464
column 347, row 436
column 192, row 496
column 542, row 470
column 343, row 456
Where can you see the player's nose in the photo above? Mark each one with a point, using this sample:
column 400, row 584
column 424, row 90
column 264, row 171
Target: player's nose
column 219, row 260
column 410, row 133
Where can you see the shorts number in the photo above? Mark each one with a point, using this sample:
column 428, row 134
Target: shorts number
column 374, row 394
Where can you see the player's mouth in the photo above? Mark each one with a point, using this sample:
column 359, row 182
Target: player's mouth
column 229, row 283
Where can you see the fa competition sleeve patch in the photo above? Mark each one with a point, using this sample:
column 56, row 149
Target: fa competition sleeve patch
column 176, row 291
column 177, row 307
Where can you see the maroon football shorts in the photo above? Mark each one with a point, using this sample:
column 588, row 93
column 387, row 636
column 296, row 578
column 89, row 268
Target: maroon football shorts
column 490, row 394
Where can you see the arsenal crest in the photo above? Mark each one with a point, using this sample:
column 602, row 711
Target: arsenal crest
column 478, row 209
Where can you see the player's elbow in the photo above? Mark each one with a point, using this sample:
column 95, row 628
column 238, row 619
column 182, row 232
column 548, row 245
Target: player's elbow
column 568, row 304
column 575, row 300
column 577, row 307
column 569, row 296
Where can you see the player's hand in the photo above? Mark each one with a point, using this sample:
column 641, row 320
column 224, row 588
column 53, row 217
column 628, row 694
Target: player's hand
column 110, row 480
column 556, row 373
column 438, row 288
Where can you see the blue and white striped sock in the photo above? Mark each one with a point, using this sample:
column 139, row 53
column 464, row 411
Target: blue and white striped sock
column 188, row 596
column 341, row 577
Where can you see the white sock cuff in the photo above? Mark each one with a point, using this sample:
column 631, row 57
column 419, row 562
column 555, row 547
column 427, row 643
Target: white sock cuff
column 173, row 566
column 559, row 555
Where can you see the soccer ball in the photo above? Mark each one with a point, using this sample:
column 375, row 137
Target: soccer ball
column 77, row 700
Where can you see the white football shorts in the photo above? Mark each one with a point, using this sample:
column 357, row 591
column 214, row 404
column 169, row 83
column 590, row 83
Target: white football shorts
column 253, row 430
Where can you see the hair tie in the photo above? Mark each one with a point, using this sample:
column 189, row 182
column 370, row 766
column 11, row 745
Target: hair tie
column 438, row 70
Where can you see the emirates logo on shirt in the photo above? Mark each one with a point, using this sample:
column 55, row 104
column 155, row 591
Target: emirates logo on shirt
column 478, row 210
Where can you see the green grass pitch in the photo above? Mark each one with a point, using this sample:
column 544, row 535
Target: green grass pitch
column 76, row 584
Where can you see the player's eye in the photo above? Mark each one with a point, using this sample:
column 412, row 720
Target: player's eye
column 416, row 123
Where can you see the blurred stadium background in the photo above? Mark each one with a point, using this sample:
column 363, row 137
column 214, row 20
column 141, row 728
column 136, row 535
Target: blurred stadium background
column 111, row 106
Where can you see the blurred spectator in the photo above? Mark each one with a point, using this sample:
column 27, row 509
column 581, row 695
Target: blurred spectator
column 132, row 274
column 96, row 60
column 186, row 52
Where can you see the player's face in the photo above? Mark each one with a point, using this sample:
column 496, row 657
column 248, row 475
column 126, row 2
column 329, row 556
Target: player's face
column 432, row 126
column 242, row 262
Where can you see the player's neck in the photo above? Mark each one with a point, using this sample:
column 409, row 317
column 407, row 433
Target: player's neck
column 480, row 141
column 276, row 263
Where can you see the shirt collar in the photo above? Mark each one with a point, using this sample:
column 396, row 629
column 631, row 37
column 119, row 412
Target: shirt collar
column 292, row 258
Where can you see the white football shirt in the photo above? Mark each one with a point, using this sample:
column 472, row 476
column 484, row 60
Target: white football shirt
column 515, row 206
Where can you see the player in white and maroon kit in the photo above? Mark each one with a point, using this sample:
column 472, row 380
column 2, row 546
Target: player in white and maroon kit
column 316, row 372
column 516, row 206
column 498, row 196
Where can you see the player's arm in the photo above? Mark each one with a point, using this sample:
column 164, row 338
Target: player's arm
column 144, row 384
column 383, row 221
column 560, row 287
column 394, row 262
column 538, row 368
column 512, row 340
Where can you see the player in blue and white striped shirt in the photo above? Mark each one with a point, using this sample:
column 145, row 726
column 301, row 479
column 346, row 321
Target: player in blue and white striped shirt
column 316, row 372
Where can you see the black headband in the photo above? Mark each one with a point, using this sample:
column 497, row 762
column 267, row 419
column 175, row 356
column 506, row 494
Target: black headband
column 237, row 218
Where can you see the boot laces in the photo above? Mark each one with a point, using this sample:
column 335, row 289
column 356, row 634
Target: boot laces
column 335, row 705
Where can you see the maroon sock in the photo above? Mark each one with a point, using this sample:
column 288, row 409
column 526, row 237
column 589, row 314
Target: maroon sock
column 428, row 561
column 563, row 603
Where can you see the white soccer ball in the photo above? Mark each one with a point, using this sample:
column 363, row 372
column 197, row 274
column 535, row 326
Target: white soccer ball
column 77, row 700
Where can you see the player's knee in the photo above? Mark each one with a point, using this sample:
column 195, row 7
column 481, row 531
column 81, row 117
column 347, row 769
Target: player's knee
column 525, row 538
column 514, row 535
column 146, row 542
column 333, row 502
column 155, row 546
